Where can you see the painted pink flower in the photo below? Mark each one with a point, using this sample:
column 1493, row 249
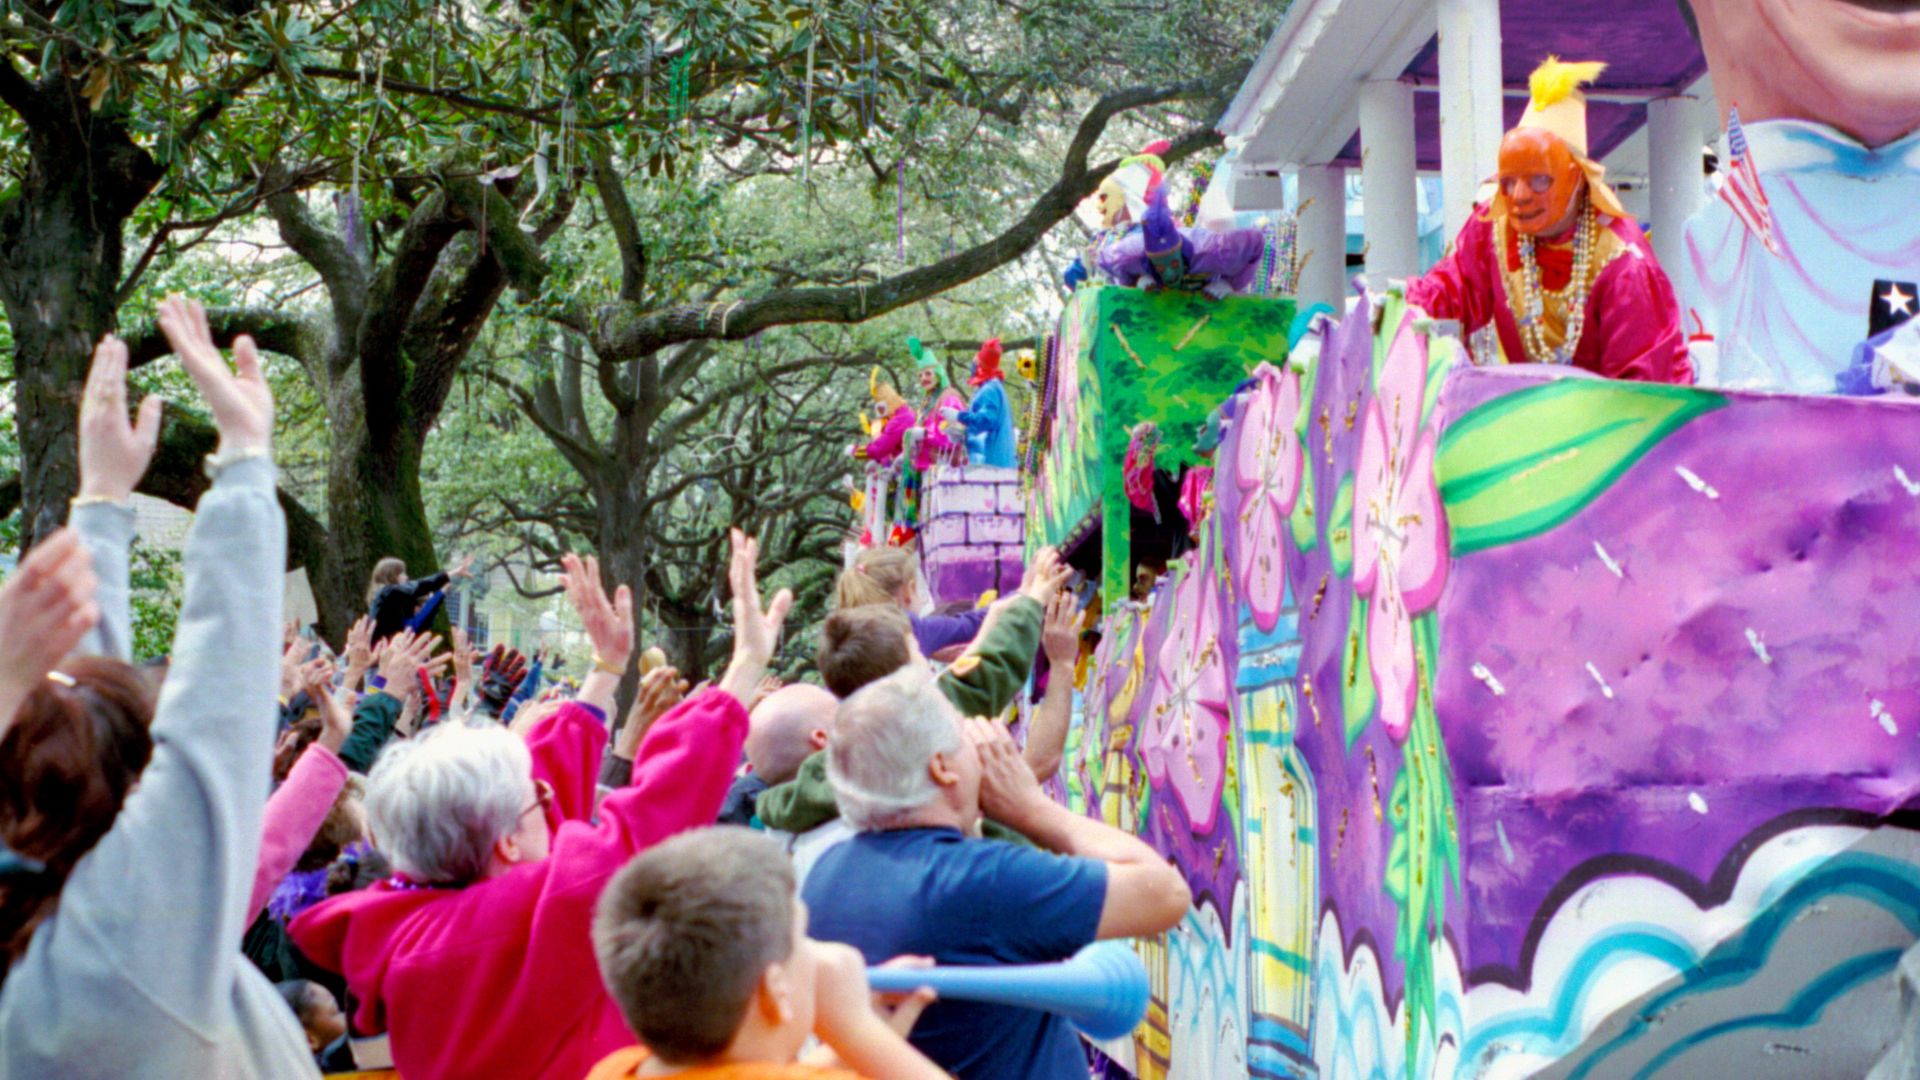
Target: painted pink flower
column 1399, row 531
column 1184, row 739
column 1269, row 467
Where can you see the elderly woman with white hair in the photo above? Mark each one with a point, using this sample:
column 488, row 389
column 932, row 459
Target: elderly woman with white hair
column 477, row 955
column 916, row 779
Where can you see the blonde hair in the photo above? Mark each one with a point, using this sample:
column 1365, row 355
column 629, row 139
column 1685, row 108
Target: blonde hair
column 387, row 571
column 877, row 576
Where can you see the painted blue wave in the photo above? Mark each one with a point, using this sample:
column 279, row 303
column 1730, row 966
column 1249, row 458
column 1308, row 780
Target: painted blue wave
column 1361, row 1026
column 1890, row 884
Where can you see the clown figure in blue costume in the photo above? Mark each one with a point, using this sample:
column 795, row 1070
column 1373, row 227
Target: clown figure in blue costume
column 988, row 418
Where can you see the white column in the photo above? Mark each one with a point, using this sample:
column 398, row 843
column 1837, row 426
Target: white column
column 1323, row 236
column 1471, row 121
column 1387, row 181
column 1674, row 138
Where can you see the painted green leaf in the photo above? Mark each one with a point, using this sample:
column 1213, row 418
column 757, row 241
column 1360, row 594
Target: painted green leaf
column 1357, row 696
column 1340, row 529
column 1305, row 523
column 1522, row 464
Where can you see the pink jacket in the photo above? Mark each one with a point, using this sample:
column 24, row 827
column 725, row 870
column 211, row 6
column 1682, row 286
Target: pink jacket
column 498, row 979
column 293, row 818
column 935, row 445
column 886, row 445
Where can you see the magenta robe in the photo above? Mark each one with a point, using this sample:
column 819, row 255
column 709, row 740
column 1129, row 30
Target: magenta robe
column 886, row 445
column 935, row 445
column 1632, row 328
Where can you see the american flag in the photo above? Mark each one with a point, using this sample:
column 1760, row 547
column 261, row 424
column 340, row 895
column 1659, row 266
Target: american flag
column 1740, row 186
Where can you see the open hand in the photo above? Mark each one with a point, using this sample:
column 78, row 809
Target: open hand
column 241, row 402
column 608, row 621
column 46, row 607
column 1060, row 633
column 359, row 650
column 756, row 630
column 114, row 453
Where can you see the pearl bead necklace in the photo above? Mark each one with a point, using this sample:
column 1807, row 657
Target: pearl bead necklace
column 1533, row 331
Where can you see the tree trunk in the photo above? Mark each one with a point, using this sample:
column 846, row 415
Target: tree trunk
column 60, row 265
column 374, row 509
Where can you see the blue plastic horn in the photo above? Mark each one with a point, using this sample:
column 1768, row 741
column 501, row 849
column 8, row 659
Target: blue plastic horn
column 1102, row 989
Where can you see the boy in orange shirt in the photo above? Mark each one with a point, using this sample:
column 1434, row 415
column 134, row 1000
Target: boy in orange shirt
column 703, row 944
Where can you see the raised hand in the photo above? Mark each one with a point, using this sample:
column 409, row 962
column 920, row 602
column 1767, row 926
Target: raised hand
column 290, row 666
column 336, row 720
column 114, row 453
column 1060, row 633
column 242, row 403
column 756, row 630
column 608, row 622
column 464, row 569
column 359, row 651
column 609, row 625
column 405, row 654
column 46, row 607
column 1045, row 575
column 660, row 690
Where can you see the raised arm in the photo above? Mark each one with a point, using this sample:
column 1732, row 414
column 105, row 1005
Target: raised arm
column 1047, row 737
column 687, row 759
column 113, row 456
column 46, row 608
column 1002, row 654
column 187, row 842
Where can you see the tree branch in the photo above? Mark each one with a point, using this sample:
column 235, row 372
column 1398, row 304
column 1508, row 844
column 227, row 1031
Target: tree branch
column 22, row 96
column 626, row 231
column 625, row 331
column 274, row 330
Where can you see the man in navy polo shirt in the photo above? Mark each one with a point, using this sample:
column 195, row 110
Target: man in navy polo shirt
column 915, row 779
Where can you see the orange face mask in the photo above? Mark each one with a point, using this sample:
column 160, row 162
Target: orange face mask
column 1541, row 181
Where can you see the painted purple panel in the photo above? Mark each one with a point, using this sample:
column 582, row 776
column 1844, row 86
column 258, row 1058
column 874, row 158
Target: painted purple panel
column 1701, row 634
column 942, row 531
column 995, row 529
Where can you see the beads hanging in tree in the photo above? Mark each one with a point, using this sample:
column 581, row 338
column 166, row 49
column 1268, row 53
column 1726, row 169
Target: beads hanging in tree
column 679, row 85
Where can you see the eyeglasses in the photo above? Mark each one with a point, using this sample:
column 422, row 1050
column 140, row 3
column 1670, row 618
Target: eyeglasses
column 1539, row 182
column 542, row 797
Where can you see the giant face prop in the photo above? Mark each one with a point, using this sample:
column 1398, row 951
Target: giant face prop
column 1849, row 64
column 1540, row 180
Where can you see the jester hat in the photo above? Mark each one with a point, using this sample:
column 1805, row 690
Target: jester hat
column 1557, row 107
column 925, row 359
column 986, row 364
column 1128, row 185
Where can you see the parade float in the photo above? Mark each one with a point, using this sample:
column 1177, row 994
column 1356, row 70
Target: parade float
column 1507, row 720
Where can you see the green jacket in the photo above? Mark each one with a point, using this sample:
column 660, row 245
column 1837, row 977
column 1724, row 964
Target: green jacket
column 1006, row 655
column 373, row 721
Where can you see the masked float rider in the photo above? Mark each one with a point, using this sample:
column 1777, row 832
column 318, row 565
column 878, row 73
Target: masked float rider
column 1553, row 260
column 928, row 443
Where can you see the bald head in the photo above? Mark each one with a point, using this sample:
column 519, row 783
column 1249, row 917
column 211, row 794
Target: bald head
column 787, row 728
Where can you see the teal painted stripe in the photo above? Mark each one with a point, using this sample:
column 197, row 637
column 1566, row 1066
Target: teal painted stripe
column 1274, row 952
